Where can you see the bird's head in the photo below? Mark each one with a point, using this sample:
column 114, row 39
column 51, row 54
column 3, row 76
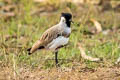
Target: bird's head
column 66, row 18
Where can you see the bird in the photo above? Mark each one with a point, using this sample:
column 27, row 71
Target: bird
column 54, row 37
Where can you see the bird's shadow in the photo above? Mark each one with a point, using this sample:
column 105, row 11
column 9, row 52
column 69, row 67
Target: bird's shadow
column 51, row 62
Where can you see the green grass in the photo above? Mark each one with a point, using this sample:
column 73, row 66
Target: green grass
column 29, row 28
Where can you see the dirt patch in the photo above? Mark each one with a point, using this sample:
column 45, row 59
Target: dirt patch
column 76, row 73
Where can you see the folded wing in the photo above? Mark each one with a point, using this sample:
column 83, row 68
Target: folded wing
column 46, row 38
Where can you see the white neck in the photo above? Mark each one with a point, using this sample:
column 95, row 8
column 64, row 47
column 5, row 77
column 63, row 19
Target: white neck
column 63, row 22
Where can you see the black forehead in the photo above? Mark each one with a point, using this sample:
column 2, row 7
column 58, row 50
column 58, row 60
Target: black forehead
column 66, row 15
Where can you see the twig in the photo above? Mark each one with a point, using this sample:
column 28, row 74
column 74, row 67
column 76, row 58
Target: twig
column 118, row 60
column 97, row 25
column 83, row 54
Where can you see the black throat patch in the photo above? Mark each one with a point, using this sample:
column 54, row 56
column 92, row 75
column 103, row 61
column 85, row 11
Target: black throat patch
column 67, row 16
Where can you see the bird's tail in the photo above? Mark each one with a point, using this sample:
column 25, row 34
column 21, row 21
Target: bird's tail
column 29, row 51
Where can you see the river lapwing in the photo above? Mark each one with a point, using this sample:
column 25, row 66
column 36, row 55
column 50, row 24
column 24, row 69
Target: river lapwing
column 55, row 37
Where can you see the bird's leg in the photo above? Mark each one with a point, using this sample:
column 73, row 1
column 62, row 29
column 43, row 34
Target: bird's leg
column 56, row 60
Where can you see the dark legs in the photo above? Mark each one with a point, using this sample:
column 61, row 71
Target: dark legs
column 56, row 60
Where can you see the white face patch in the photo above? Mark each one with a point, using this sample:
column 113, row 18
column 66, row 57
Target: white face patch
column 62, row 20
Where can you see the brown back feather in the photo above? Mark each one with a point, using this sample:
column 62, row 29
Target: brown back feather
column 46, row 38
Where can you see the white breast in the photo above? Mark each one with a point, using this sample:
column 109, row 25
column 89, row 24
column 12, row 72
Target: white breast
column 61, row 40
column 67, row 30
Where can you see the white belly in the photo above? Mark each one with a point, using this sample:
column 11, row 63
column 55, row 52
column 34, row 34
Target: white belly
column 61, row 40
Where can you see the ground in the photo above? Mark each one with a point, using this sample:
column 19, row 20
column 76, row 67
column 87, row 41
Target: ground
column 73, row 73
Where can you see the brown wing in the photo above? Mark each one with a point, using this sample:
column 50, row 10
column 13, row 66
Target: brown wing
column 46, row 38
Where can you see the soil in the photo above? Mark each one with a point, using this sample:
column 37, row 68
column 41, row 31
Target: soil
column 74, row 73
